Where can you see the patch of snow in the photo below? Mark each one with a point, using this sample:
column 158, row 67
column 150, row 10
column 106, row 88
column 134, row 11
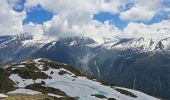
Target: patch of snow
column 24, row 91
column 73, row 43
column 94, row 45
column 84, row 88
column 13, row 68
column 54, row 95
column 139, row 94
column 23, row 82
column 78, row 86
column 66, row 71
column 38, row 41
column 5, row 44
column 19, row 66
column 36, row 60
column 6, row 66
column 52, row 44
column 142, row 44
column 3, row 96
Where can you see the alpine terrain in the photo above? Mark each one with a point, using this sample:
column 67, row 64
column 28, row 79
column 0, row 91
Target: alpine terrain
column 49, row 80
column 140, row 64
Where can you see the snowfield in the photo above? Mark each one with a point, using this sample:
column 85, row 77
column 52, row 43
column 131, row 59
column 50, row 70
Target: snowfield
column 74, row 86
column 24, row 91
column 3, row 96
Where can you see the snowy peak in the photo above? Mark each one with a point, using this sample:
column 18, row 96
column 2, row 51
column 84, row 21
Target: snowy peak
column 38, row 41
column 142, row 44
column 25, row 40
column 73, row 42
column 6, row 41
column 16, row 48
column 11, row 39
column 42, row 76
column 23, row 37
column 77, row 41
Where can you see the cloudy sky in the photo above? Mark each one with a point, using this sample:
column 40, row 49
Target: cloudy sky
column 95, row 18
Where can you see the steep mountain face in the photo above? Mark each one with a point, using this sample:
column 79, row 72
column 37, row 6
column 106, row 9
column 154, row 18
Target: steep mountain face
column 142, row 44
column 141, row 71
column 141, row 64
column 59, row 82
column 76, row 51
column 14, row 48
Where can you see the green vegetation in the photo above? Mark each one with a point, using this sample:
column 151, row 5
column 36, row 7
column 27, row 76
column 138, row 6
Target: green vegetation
column 45, row 90
column 27, row 73
column 31, row 71
column 6, row 84
column 99, row 96
column 111, row 99
column 35, row 97
column 125, row 92
column 56, row 65
column 62, row 72
column 102, row 97
column 149, row 73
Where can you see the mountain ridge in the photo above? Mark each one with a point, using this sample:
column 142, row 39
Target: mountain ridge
column 42, row 76
column 119, row 61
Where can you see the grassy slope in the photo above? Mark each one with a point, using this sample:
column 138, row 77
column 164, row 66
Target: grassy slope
column 35, row 97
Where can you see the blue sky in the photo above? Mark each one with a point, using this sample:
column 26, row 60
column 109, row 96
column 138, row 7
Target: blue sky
column 38, row 15
column 89, row 17
column 106, row 16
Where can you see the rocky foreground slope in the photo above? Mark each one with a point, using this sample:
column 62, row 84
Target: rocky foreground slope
column 58, row 81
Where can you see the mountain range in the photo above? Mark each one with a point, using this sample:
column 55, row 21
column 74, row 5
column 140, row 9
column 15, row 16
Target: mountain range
column 136, row 63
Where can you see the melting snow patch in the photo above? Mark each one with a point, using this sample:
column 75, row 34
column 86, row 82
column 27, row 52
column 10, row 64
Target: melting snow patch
column 36, row 60
column 54, row 95
column 73, row 43
column 3, row 96
column 24, row 91
column 52, row 44
column 19, row 66
column 23, row 82
column 81, row 86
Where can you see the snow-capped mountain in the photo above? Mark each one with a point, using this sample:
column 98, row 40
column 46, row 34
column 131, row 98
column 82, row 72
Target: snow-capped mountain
column 73, row 50
column 75, row 41
column 18, row 47
column 6, row 40
column 126, row 62
column 57, row 80
column 140, row 44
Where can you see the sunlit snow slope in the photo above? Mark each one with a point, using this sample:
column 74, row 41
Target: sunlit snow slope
column 33, row 77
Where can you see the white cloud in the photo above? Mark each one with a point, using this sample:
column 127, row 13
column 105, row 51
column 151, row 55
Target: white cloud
column 15, row 4
column 56, row 27
column 61, row 28
column 91, row 6
column 10, row 20
column 75, row 17
column 137, row 14
column 33, row 28
column 98, row 31
column 157, row 30
column 77, row 11
column 143, row 10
